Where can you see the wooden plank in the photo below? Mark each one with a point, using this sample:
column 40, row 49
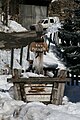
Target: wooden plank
column 22, row 91
column 16, row 40
column 38, row 80
column 17, row 93
column 57, row 93
column 35, row 86
column 38, row 94
column 60, row 93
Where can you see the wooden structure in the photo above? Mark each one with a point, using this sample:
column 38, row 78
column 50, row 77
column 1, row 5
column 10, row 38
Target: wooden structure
column 17, row 40
column 10, row 41
column 75, row 78
column 56, row 95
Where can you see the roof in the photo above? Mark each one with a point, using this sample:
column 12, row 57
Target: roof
column 16, row 40
column 35, row 2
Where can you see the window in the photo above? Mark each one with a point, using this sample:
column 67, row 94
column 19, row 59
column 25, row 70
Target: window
column 41, row 21
column 46, row 21
column 51, row 21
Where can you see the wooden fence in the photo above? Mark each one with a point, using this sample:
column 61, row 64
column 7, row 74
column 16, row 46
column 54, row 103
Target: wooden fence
column 75, row 78
column 37, row 87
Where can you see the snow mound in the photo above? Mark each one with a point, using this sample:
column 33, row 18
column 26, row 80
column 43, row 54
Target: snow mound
column 13, row 26
column 16, row 27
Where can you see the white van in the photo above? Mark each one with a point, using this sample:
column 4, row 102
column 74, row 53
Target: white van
column 47, row 22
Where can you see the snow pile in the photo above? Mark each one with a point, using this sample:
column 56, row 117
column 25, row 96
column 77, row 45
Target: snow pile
column 16, row 27
column 30, row 74
column 13, row 26
column 4, row 85
column 39, row 111
column 54, row 27
column 18, row 110
column 51, row 59
column 9, row 108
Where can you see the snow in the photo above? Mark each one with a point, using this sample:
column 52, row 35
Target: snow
column 16, row 27
column 11, row 109
column 13, row 26
column 54, row 0
column 51, row 59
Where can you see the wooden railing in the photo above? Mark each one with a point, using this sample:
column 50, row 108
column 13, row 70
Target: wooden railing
column 37, row 86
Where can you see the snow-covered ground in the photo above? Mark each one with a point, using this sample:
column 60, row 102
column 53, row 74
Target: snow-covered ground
column 11, row 109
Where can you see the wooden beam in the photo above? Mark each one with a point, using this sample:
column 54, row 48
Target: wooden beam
column 28, row 55
column 39, row 80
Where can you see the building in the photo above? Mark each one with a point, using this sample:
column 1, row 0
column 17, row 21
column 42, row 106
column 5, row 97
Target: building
column 31, row 11
column 26, row 12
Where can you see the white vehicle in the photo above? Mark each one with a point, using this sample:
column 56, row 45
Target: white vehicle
column 47, row 22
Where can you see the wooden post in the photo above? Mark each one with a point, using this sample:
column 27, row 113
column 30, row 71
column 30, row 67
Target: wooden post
column 39, row 48
column 39, row 63
column 60, row 93
column 21, row 53
column 56, row 39
column 7, row 11
column 22, row 91
column 54, row 93
column 58, row 89
column 19, row 91
column 28, row 52
column 15, row 74
column 57, row 93
column 12, row 57
column 76, row 79
column 72, row 77
column 68, row 83
column 50, row 39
